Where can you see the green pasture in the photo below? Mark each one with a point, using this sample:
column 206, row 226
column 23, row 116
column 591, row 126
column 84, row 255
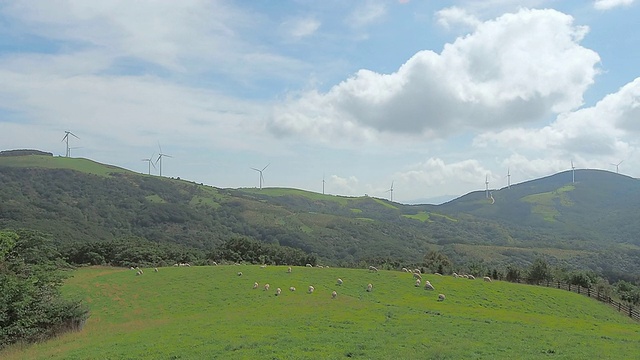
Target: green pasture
column 59, row 162
column 212, row 313
column 269, row 191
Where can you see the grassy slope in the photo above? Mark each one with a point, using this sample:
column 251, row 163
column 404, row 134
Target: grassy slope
column 210, row 312
column 57, row 162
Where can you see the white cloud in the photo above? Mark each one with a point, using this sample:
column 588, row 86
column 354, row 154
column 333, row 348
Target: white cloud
column 516, row 69
column 610, row 4
column 367, row 13
column 435, row 172
column 301, row 27
column 452, row 16
column 344, row 185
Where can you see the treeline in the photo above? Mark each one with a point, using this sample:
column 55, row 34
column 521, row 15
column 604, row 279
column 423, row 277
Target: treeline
column 31, row 273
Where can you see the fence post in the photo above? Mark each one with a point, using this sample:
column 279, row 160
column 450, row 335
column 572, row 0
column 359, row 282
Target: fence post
column 630, row 311
column 578, row 289
column 569, row 287
column 619, row 306
column 589, row 292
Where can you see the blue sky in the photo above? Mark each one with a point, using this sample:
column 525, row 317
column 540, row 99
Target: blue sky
column 432, row 96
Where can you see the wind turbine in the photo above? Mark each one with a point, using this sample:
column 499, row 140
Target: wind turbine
column 390, row 191
column 573, row 172
column 66, row 139
column 617, row 165
column 508, row 179
column 150, row 161
column 486, row 183
column 160, row 156
column 322, row 184
column 260, row 171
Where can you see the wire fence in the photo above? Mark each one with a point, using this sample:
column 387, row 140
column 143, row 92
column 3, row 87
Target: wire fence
column 626, row 309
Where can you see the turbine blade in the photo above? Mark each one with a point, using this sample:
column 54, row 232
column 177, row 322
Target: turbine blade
column 266, row 166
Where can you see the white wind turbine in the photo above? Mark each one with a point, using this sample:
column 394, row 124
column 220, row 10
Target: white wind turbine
column 66, row 139
column 486, row 183
column 150, row 161
column 322, row 184
column 508, row 179
column 260, row 171
column 390, row 191
column 573, row 172
column 617, row 165
column 160, row 156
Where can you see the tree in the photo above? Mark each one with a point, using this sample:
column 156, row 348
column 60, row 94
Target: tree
column 437, row 262
column 539, row 271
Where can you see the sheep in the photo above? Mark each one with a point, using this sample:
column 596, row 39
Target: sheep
column 237, row 264
column 132, row 268
column 369, row 287
column 266, row 287
column 255, row 285
column 417, row 282
column 292, row 289
column 187, row 265
column 405, row 270
column 155, row 269
column 417, row 276
column 263, row 266
column 309, row 265
column 441, row 297
column 339, row 281
column 278, row 291
column 214, row 263
column 176, row 264
column 334, row 294
column 239, row 273
column 454, row 275
column 373, row 268
column 138, row 273
column 471, row 277
column 319, row 266
column 417, row 271
column 289, row 270
column 311, row 288
column 487, row 279
column 437, row 274
column 428, row 286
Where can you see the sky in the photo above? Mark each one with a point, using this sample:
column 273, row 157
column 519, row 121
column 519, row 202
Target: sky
column 430, row 98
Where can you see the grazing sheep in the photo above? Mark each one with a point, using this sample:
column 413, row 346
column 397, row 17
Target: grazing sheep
column 369, row 287
column 417, row 271
column 455, row 275
column 132, row 268
column 292, row 289
column 334, row 294
column 138, row 273
column 339, row 281
column 155, row 269
column 266, row 287
column 428, row 286
column 311, row 288
column 437, row 274
column 237, row 264
column 319, row 266
column 373, row 268
column 465, row 276
column 289, row 270
column 239, row 273
column 326, row 266
column 187, row 265
column 263, row 266
column 278, row 291
column 176, row 264
column 405, row 270
column 441, row 297
column 417, row 282
column 255, row 285
column 487, row 279
column 214, row 263
column 309, row 265
column 417, row 276
column 471, row 277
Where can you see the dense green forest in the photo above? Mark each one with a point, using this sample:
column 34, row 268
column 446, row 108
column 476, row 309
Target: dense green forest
column 588, row 225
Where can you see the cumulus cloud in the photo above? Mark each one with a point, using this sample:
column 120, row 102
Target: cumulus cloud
column 434, row 172
column 345, row 185
column 452, row 16
column 518, row 68
column 610, row 4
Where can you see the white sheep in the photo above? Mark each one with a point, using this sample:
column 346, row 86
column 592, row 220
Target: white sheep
column 255, row 285
column 428, row 286
column 405, row 270
column 214, row 263
column 417, row 271
column 438, row 274
column 278, row 291
column 176, row 264
column 417, row 276
column 373, row 268
column 319, row 266
column 239, row 273
column 454, row 275
column 417, row 282
column 441, row 297
column 132, row 268
column 369, row 287
column 309, row 265
column 471, row 277
column 487, row 279
column 266, row 287
column 311, row 288
column 263, row 266
column 292, row 289
column 138, row 273
column 334, row 294
column 289, row 270
column 339, row 281
column 155, row 269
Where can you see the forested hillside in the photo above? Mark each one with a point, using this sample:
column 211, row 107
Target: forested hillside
column 591, row 223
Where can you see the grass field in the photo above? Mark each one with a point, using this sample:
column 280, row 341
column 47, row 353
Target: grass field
column 58, row 162
column 212, row 313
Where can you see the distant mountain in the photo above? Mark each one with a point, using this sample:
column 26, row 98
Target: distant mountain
column 591, row 223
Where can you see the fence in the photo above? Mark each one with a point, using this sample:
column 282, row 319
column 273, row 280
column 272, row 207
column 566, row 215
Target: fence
column 629, row 310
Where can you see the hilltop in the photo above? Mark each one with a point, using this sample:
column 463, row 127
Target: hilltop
column 590, row 223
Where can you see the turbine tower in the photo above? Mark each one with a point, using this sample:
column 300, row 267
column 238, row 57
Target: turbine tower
column 160, row 156
column 617, row 165
column 322, row 184
column 260, row 171
column 66, row 139
column 390, row 191
column 150, row 161
column 573, row 172
column 508, row 179
column 486, row 183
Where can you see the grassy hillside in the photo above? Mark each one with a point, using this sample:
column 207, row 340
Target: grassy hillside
column 78, row 200
column 211, row 312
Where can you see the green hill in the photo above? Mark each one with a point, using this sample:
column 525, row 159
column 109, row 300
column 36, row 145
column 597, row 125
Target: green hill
column 211, row 312
column 590, row 224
